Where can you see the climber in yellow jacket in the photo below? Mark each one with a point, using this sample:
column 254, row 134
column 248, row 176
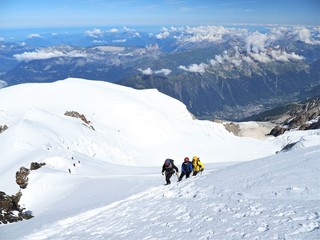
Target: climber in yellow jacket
column 197, row 165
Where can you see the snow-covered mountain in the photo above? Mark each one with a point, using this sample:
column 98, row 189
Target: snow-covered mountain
column 102, row 177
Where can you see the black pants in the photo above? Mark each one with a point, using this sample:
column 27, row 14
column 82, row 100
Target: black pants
column 168, row 176
column 195, row 173
column 184, row 173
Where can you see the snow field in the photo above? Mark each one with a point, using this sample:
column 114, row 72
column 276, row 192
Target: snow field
column 106, row 183
column 202, row 207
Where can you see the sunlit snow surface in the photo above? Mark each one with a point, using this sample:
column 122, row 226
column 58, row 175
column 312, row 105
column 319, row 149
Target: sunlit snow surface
column 115, row 188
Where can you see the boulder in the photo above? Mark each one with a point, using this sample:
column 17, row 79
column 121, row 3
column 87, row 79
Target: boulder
column 22, row 177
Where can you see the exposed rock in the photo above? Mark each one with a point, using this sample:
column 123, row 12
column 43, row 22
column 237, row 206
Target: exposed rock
column 288, row 147
column 22, row 177
column 217, row 121
column 35, row 165
column 303, row 117
column 22, row 174
column 80, row 116
column 232, row 127
column 276, row 131
column 10, row 210
column 257, row 130
column 3, row 128
column 315, row 125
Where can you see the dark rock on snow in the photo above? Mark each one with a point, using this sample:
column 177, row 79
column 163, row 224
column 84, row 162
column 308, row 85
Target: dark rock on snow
column 10, row 210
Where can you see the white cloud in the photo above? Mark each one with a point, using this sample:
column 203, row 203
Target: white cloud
column 99, row 41
column 259, row 48
column 308, row 36
column 1, row 39
column 113, row 30
column 173, row 29
column 305, row 35
column 34, row 35
column 28, row 56
column 136, row 34
column 284, row 56
column 213, row 62
column 278, row 56
column 208, row 33
column 272, row 55
column 295, row 56
column 247, row 59
column 119, row 41
column 278, row 32
column 46, row 54
column 260, row 57
column 147, row 71
column 95, row 33
column 236, row 61
column 128, row 29
column 226, row 58
column 163, row 71
column 255, row 42
column 195, row 68
column 219, row 59
column 162, row 35
column 204, row 33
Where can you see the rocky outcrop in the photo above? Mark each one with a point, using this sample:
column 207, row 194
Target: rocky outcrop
column 35, row 165
column 288, row 147
column 277, row 130
column 232, row 127
column 3, row 128
column 303, row 117
column 80, row 116
column 22, row 177
column 10, row 210
column 22, row 174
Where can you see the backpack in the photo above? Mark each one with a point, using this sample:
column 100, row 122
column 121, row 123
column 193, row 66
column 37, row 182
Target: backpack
column 167, row 162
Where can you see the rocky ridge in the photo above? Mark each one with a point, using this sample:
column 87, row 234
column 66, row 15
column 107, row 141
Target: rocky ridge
column 304, row 116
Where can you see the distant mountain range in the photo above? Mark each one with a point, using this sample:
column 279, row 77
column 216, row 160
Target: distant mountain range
column 218, row 72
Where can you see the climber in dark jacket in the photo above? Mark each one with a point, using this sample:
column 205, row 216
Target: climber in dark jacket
column 186, row 168
column 169, row 169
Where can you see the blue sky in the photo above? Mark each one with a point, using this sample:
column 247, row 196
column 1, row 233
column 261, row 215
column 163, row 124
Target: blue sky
column 66, row 13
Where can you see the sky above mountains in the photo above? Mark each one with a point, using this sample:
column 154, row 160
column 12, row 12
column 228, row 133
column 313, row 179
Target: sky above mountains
column 60, row 13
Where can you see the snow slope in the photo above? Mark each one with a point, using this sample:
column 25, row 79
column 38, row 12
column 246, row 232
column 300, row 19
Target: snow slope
column 132, row 128
column 275, row 197
column 114, row 188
